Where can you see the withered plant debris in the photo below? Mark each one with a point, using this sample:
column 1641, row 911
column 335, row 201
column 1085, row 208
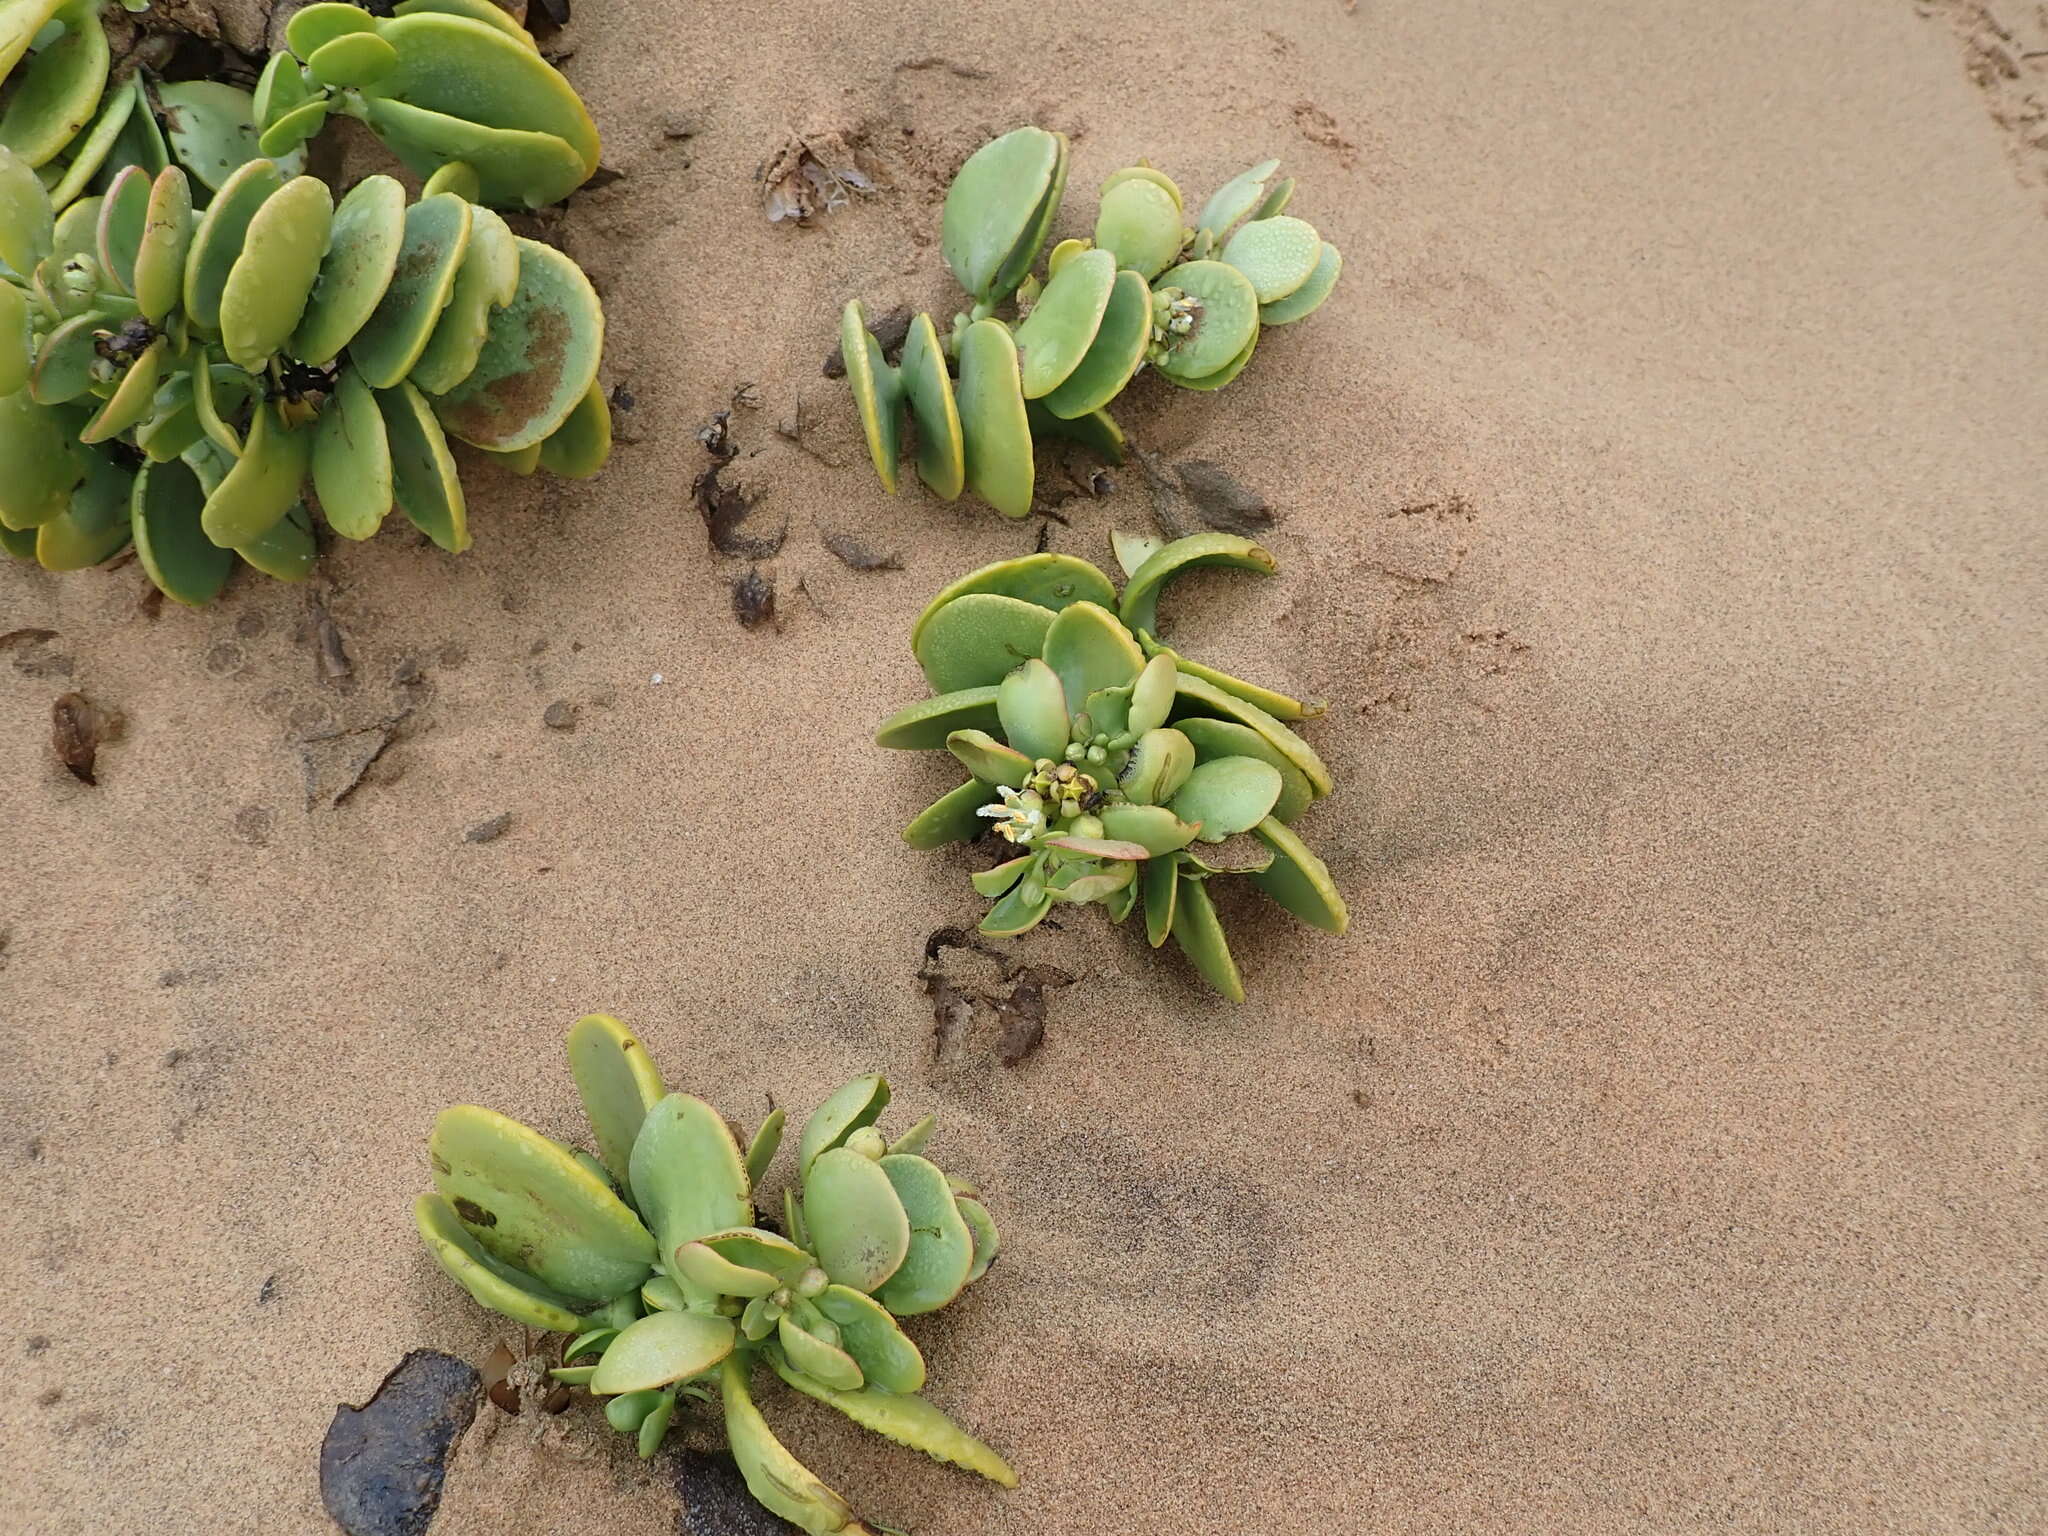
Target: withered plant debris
column 490, row 829
column 982, row 1004
column 753, row 599
column 812, row 174
column 330, row 652
column 382, row 1464
column 1221, row 502
column 725, row 508
column 889, row 330
column 334, row 762
column 76, row 729
column 853, row 553
column 15, row 637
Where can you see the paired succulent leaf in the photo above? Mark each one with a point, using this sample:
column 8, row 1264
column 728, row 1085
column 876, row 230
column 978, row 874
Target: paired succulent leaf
column 1191, row 302
column 650, row 1256
column 1116, row 771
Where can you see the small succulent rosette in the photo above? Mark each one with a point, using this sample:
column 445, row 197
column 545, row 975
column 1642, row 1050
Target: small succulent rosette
column 1148, row 289
column 193, row 334
column 1119, row 772
column 652, row 1256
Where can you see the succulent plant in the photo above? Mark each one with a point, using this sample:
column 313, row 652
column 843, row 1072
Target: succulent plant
column 455, row 88
column 652, row 1256
column 1115, row 770
column 185, row 351
column 1148, row 289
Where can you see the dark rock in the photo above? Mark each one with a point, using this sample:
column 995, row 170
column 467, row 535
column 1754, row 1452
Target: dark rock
column 382, row 1464
column 489, row 831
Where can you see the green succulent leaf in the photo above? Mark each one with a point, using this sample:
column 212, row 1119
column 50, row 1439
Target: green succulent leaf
column 994, row 423
column 512, row 167
column 486, row 282
column 1102, row 847
column 978, row 639
column 217, row 241
column 1228, row 795
column 925, row 725
column 268, row 285
column 90, row 150
column 425, row 483
column 1278, row 705
column 1226, row 738
column 1198, row 697
column 1152, row 827
column 367, row 232
column 159, row 266
column 494, row 1284
column 1061, row 328
column 857, row 1223
column 314, row 26
column 352, row 470
column 822, row 1361
column 757, row 1248
column 528, row 1203
column 1199, row 933
column 1300, row 881
column 1048, row 580
column 579, row 447
column 1119, row 347
column 1139, row 607
column 665, row 1347
column 686, row 1172
column 27, row 221
column 124, row 213
column 1277, row 254
column 538, row 361
column 1139, row 222
column 95, row 526
column 986, row 1243
column 877, row 392
column 286, row 550
column 715, row 1275
column 994, row 204
column 993, row 883
column 1158, row 765
column 1152, row 695
column 661, row 1294
column 1224, row 310
column 908, row 1420
column 132, row 397
column 17, row 341
column 951, row 818
column 762, row 1149
column 850, row 1107
column 988, row 759
column 356, row 58
column 389, row 343
column 1090, row 650
column 928, row 388
column 618, row 1086
column 56, row 95
column 164, row 520
column 263, row 483
column 1021, row 910
column 781, row 1483
column 655, row 1426
column 280, row 89
column 628, row 1411
column 1235, row 198
column 1033, row 708
column 941, row 1250
column 212, row 128
column 1309, row 297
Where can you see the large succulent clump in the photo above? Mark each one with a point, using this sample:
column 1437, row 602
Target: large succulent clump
column 1190, row 301
column 1119, row 772
column 193, row 334
column 652, row 1256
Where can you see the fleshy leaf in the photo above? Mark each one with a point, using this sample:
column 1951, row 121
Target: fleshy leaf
column 1199, row 697
column 823, row 1362
column 1228, row 795
column 850, row 1107
column 1300, row 881
column 1200, row 935
column 781, row 1483
column 1033, row 709
column 941, row 1250
column 686, row 1172
column 1139, row 607
column 666, row 1347
column 1152, row 827
column 926, row 724
column 857, row 1223
column 527, row 1202
column 951, row 818
column 887, row 1358
column 1089, row 649
column 617, row 1083
column 1159, row 764
column 492, row 1283
column 1279, row 705
column 978, row 639
column 988, row 759
column 1226, row 738
column 908, row 1420
column 1049, row 580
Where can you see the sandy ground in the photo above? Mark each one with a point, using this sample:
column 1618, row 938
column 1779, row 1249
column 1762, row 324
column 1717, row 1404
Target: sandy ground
column 1661, row 514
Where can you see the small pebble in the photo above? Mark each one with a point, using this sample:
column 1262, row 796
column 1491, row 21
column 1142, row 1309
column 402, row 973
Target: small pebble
column 656, row 679
column 559, row 716
column 489, row 831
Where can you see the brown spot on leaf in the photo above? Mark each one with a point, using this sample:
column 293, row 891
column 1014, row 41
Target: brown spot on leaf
column 473, row 1213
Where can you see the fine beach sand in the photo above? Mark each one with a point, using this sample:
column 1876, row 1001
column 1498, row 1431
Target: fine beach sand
column 1660, row 514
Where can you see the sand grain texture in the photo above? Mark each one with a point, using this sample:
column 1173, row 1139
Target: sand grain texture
column 1660, row 513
